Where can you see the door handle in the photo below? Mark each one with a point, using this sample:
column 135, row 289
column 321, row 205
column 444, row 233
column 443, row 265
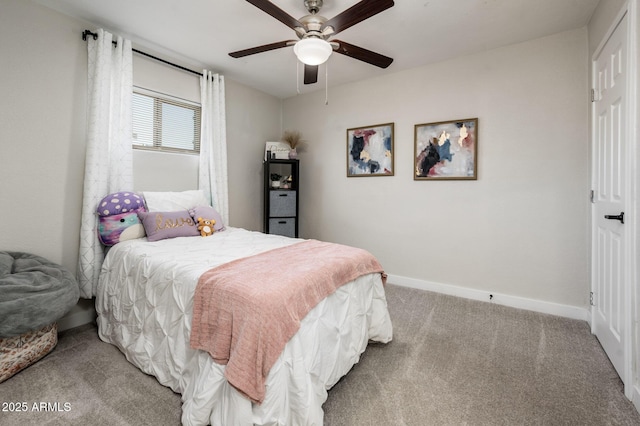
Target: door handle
column 619, row 217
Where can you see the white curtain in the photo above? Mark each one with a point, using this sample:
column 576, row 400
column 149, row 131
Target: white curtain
column 108, row 164
column 212, row 176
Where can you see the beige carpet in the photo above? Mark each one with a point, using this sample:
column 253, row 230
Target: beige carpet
column 452, row 362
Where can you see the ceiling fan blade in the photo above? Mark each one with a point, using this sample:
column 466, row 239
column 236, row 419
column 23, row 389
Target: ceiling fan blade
column 260, row 49
column 362, row 54
column 273, row 10
column 310, row 74
column 356, row 13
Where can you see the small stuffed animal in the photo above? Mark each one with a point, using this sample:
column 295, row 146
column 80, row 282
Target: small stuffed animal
column 205, row 226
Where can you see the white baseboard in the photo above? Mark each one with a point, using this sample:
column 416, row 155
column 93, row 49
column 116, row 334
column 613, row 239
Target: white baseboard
column 635, row 398
column 566, row 311
column 82, row 313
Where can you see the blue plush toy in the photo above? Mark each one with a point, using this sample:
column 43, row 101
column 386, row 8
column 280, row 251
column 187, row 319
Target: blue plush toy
column 118, row 218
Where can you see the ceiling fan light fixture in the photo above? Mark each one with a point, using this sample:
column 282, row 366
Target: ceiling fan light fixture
column 312, row 51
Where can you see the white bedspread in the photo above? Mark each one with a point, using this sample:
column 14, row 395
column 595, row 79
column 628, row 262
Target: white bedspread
column 144, row 306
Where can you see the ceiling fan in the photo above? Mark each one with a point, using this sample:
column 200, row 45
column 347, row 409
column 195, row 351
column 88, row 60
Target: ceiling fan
column 314, row 47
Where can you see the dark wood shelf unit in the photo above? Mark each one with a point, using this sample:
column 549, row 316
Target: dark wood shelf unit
column 281, row 204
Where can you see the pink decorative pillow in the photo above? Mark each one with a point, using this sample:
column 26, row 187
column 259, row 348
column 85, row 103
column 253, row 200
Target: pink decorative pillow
column 208, row 212
column 161, row 225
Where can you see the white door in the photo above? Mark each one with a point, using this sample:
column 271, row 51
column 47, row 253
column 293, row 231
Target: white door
column 609, row 321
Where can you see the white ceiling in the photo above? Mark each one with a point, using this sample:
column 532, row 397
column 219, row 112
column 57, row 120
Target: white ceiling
column 201, row 33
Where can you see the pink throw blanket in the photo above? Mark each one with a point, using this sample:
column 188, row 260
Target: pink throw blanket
column 245, row 311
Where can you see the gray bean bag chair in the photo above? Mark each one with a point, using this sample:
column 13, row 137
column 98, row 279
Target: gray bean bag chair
column 34, row 292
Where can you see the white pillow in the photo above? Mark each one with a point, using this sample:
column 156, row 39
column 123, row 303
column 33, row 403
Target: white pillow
column 174, row 201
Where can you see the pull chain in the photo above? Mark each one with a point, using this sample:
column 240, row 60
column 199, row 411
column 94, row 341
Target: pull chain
column 298, row 77
column 326, row 83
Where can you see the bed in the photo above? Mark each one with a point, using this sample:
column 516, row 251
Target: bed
column 145, row 303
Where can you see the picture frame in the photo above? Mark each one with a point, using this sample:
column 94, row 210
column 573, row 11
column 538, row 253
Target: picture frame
column 446, row 150
column 276, row 150
column 370, row 150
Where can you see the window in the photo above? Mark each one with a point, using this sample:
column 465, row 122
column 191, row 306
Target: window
column 164, row 123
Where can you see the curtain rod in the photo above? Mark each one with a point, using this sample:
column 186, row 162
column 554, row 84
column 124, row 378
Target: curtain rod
column 85, row 33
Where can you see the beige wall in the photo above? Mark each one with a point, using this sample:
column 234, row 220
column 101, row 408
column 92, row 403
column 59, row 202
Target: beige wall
column 43, row 84
column 253, row 117
column 42, row 136
column 43, row 127
column 521, row 229
column 160, row 171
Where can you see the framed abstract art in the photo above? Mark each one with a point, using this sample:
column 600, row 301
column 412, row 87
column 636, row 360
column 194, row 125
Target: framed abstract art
column 370, row 150
column 446, row 150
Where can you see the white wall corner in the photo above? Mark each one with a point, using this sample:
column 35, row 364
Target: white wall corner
column 550, row 308
column 82, row 313
column 635, row 398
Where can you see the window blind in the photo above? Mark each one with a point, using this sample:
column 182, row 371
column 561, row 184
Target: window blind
column 166, row 124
